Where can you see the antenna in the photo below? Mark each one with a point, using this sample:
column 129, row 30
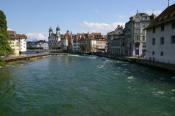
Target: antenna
column 168, row 3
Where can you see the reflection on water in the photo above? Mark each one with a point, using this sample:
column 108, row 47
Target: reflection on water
column 85, row 85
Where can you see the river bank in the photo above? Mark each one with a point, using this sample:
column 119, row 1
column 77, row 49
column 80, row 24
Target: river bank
column 28, row 57
column 139, row 61
column 143, row 62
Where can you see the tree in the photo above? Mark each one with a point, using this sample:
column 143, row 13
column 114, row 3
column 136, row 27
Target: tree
column 5, row 48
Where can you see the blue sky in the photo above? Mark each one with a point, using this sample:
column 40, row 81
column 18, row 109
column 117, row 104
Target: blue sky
column 34, row 17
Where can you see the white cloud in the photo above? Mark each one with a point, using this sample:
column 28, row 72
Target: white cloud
column 156, row 12
column 101, row 27
column 37, row 36
column 9, row 29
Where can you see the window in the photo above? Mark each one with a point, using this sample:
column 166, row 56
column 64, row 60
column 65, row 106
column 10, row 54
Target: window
column 173, row 25
column 153, row 41
column 162, row 27
column 143, row 38
column 161, row 54
column 173, row 39
column 162, row 41
column 154, row 29
column 153, row 53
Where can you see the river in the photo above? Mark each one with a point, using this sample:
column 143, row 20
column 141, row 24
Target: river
column 85, row 86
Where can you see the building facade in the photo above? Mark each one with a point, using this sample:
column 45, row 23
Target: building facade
column 135, row 34
column 84, row 42
column 116, row 42
column 89, row 43
column 22, row 41
column 161, row 37
column 54, row 39
column 17, row 42
column 98, row 43
column 67, row 42
column 129, row 37
column 76, row 44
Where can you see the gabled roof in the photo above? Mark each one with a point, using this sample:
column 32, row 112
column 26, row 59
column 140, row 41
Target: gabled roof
column 167, row 16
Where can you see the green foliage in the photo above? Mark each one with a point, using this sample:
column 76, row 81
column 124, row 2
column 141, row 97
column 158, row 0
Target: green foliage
column 2, row 62
column 5, row 48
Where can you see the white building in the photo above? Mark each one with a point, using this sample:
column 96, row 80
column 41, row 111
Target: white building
column 22, row 41
column 161, row 37
column 141, row 21
column 42, row 44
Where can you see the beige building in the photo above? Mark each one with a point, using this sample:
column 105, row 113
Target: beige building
column 97, row 42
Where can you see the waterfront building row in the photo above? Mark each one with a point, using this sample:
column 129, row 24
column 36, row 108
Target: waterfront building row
column 146, row 36
column 131, row 40
column 78, row 43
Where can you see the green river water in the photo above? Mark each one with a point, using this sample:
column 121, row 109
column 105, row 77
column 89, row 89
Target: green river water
column 85, row 86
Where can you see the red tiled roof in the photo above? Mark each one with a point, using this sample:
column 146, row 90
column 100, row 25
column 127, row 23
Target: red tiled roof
column 13, row 35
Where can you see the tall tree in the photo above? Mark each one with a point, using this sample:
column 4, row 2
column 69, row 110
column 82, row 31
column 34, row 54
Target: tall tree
column 5, row 48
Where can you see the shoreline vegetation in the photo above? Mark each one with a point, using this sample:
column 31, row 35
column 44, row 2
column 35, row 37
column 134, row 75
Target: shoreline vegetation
column 5, row 48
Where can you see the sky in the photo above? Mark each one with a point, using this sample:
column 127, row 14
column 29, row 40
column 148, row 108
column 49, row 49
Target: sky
column 34, row 17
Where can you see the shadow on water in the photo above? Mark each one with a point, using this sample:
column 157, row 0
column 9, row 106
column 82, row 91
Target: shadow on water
column 144, row 72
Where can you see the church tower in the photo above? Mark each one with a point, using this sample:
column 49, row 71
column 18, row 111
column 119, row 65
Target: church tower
column 57, row 30
column 58, row 33
column 50, row 31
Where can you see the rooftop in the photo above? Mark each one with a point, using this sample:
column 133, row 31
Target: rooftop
column 167, row 16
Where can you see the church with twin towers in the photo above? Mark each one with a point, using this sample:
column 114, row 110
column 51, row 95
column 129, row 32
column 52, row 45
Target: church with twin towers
column 54, row 39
